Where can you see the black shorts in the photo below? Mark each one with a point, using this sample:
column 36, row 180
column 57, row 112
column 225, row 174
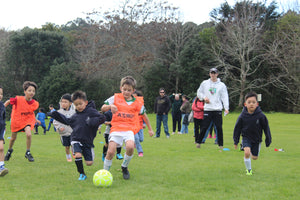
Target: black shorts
column 87, row 152
column 254, row 147
column 2, row 134
column 65, row 140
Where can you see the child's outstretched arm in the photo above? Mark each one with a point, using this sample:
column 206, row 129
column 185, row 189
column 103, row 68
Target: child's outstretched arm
column 147, row 121
column 59, row 117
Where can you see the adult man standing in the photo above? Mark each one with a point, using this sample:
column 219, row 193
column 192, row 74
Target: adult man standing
column 215, row 95
column 162, row 106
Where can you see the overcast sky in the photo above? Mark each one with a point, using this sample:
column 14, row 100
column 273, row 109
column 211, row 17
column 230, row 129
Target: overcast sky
column 17, row 14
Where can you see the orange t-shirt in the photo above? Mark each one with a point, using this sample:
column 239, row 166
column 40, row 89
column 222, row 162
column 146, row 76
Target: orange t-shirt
column 23, row 114
column 127, row 116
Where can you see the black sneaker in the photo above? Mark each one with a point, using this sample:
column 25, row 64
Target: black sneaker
column 241, row 147
column 29, row 156
column 8, row 154
column 125, row 172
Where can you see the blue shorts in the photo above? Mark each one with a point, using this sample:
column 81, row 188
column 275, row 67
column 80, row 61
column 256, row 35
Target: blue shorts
column 254, row 147
column 87, row 152
column 65, row 140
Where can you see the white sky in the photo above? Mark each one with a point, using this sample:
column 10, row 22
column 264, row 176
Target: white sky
column 17, row 14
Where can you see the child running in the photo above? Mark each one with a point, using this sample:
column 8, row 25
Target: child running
column 85, row 123
column 65, row 131
column 3, row 170
column 40, row 121
column 125, row 122
column 250, row 124
column 22, row 117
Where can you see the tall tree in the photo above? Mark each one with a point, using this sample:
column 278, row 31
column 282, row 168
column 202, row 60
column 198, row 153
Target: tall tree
column 283, row 55
column 239, row 43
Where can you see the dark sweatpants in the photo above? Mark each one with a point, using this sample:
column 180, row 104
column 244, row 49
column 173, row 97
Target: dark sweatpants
column 216, row 117
column 176, row 117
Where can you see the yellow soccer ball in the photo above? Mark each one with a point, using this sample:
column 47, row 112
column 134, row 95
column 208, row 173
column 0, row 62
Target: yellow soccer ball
column 102, row 178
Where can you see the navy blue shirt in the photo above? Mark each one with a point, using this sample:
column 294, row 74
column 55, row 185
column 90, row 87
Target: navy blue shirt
column 2, row 117
column 251, row 127
column 84, row 124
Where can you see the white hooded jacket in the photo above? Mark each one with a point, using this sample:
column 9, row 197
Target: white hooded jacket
column 217, row 94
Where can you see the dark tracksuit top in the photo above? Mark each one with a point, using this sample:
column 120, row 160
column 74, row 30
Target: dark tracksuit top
column 84, row 124
column 251, row 127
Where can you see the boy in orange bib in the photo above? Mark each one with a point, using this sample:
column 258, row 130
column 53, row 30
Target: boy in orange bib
column 23, row 117
column 125, row 122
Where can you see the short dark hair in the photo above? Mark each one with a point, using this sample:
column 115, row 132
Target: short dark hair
column 67, row 96
column 160, row 89
column 27, row 84
column 128, row 80
column 79, row 95
column 51, row 105
column 250, row 94
column 1, row 87
column 42, row 109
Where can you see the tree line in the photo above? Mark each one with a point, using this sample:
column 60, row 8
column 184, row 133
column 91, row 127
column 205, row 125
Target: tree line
column 253, row 46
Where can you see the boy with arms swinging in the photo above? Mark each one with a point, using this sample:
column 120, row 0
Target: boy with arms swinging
column 125, row 122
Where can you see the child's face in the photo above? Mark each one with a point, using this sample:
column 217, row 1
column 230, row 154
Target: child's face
column 29, row 93
column 127, row 91
column 251, row 104
column 65, row 104
column 80, row 104
column 1, row 94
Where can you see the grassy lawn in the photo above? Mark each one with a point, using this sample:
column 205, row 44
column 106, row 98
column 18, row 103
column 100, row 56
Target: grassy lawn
column 170, row 169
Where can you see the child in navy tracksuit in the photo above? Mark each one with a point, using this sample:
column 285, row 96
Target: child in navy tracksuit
column 250, row 124
column 85, row 123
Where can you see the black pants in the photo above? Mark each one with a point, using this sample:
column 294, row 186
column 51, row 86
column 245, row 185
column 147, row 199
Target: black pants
column 216, row 117
column 176, row 117
column 197, row 127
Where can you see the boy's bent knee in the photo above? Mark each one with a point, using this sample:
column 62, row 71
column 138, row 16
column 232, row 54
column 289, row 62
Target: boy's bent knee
column 89, row 163
column 254, row 157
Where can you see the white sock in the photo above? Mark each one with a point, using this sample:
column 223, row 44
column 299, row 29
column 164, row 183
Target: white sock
column 68, row 156
column 126, row 160
column 107, row 164
column 1, row 163
column 247, row 162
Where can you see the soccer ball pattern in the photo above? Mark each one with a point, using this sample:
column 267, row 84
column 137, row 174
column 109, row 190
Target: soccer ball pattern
column 102, row 178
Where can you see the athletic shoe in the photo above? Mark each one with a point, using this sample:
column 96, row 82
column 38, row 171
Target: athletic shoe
column 197, row 145
column 29, row 156
column 173, row 133
column 215, row 136
column 168, row 136
column 119, row 156
column 249, row 172
column 8, row 154
column 3, row 171
column 82, row 177
column 209, row 136
column 141, row 154
column 125, row 172
column 36, row 133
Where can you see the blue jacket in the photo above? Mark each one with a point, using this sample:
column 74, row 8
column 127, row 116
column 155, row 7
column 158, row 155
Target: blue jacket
column 84, row 124
column 41, row 117
column 251, row 127
column 2, row 117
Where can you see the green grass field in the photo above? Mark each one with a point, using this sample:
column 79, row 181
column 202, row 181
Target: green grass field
column 170, row 169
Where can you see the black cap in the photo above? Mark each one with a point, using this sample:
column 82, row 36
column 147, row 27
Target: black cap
column 67, row 97
column 213, row 70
